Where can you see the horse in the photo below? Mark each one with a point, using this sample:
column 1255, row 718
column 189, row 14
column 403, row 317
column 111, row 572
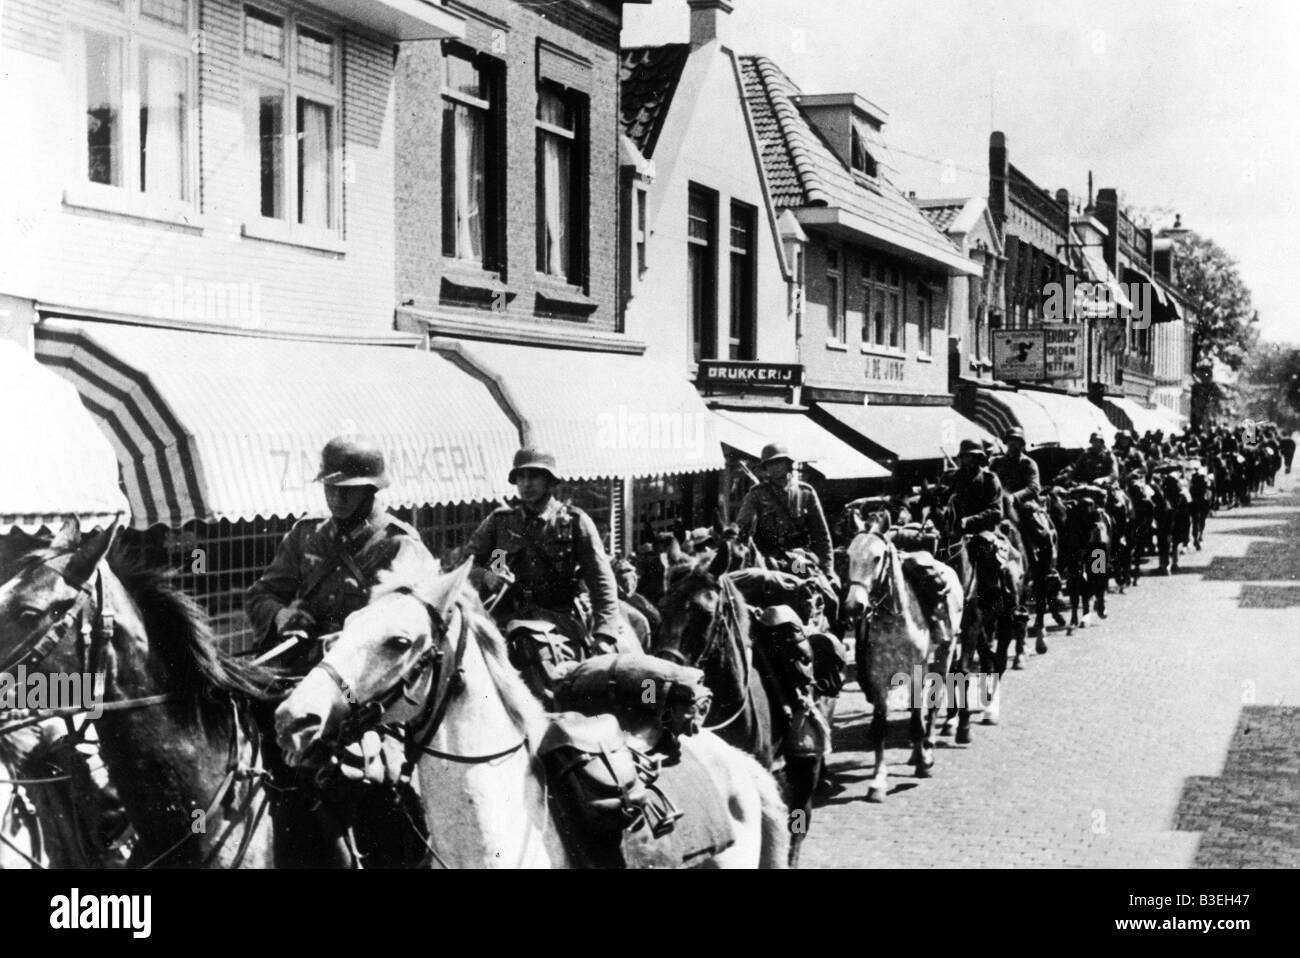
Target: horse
column 706, row 624
column 893, row 638
column 175, row 733
column 1119, row 507
column 1086, row 557
column 1175, row 532
column 1202, row 495
column 424, row 653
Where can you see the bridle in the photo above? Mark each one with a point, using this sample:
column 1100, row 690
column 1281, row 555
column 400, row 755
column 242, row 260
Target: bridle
column 882, row 588
column 425, row 684
column 725, row 621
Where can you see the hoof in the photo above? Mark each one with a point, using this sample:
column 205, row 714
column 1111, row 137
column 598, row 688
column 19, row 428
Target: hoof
column 1018, row 663
column 963, row 736
column 1083, row 624
column 1040, row 646
column 945, row 729
column 923, row 770
column 989, row 719
column 1101, row 613
column 876, row 796
column 1070, row 631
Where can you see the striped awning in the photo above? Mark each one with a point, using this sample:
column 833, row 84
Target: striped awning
column 58, row 462
column 209, row 426
column 907, row 433
column 997, row 410
column 809, row 443
column 1129, row 414
column 1076, row 418
column 603, row 415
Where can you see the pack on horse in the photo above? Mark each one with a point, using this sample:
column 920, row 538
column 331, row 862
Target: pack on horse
column 175, row 731
column 1086, row 552
column 906, row 610
column 425, row 655
column 709, row 623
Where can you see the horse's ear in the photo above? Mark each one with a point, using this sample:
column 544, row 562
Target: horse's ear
column 80, row 565
column 720, row 562
column 69, row 536
column 446, row 589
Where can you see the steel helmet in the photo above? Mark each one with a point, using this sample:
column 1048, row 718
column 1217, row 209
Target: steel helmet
column 1015, row 432
column 349, row 461
column 533, row 459
column 777, row 616
column 776, row 450
column 969, row 447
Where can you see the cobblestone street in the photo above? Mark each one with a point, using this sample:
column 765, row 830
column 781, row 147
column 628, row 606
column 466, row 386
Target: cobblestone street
column 1164, row 736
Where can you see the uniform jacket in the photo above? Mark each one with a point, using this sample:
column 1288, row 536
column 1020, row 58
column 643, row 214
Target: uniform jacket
column 1093, row 465
column 1132, row 461
column 979, row 499
column 1019, row 477
column 784, row 519
column 550, row 553
column 335, row 568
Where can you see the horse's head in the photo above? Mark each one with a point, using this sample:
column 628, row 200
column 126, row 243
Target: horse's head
column 393, row 658
column 870, row 555
column 43, row 583
column 688, row 611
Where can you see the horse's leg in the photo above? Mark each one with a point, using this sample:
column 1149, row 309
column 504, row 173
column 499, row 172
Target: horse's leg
column 879, row 724
column 802, row 773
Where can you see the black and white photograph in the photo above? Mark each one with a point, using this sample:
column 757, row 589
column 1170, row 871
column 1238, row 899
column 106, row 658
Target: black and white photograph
column 650, row 434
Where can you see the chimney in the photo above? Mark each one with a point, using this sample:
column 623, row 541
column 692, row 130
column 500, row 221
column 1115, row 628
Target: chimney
column 708, row 21
column 1108, row 213
column 999, row 173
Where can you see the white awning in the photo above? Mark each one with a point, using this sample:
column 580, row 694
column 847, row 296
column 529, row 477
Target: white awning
column 58, row 463
column 809, row 443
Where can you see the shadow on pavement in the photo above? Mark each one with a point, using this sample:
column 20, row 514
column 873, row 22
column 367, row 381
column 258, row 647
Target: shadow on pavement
column 1250, row 814
column 1274, row 556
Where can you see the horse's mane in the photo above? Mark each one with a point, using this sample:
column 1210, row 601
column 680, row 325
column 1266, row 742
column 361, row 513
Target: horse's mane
column 202, row 678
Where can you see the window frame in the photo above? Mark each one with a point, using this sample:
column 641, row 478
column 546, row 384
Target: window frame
column 579, row 240
column 836, row 313
column 294, row 86
column 493, row 72
column 708, row 326
column 745, row 314
column 134, row 32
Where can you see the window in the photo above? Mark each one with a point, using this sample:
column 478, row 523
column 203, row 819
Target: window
column 291, row 120
column 835, row 325
column 742, row 281
column 701, row 266
column 471, row 187
column 861, row 159
column 132, row 73
column 639, row 236
column 561, row 183
column 896, row 337
column 924, row 322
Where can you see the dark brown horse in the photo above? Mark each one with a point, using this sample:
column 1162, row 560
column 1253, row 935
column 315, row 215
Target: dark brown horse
column 175, row 733
column 706, row 624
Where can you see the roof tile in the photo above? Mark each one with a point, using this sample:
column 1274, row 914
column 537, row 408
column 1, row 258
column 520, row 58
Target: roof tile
column 648, row 79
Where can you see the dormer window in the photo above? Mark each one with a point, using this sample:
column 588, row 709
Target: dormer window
column 861, row 159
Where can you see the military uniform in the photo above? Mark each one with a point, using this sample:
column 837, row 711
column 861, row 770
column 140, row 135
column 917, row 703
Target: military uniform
column 327, row 571
column 785, row 519
column 1093, row 465
column 1019, row 479
column 1131, row 461
column 549, row 553
column 977, row 502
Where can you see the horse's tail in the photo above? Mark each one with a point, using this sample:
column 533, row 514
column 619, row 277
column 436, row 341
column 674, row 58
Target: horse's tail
column 775, row 852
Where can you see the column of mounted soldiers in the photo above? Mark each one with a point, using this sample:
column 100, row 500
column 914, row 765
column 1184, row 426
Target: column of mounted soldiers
column 542, row 572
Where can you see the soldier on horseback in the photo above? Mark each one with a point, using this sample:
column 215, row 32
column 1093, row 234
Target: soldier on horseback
column 546, row 551
column 1021, row 489
column 1097, row 462
column 977, row 510
column 322, row 572
column 1128, row 457
column 784, row 516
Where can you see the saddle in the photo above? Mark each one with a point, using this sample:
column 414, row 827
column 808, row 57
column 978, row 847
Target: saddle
column 542, row 654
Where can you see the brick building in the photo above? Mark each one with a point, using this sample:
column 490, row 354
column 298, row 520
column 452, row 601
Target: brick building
column 507, row 245
column 201, row 239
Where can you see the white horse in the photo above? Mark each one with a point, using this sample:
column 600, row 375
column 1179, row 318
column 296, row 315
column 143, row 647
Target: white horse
column 484, row 792
column 893, row 639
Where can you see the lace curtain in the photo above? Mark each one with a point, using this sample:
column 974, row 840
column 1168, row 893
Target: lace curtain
column 163, row 90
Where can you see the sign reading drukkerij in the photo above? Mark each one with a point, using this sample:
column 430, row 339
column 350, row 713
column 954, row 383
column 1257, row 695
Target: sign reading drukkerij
column 747, row 374
column 1019, row 354
column 1063, row 350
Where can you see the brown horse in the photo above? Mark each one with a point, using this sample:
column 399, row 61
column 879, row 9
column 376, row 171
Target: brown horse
column 175, row 732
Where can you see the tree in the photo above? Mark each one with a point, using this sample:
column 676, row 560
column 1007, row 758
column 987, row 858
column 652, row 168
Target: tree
column 1223, row 321
column 1272, row 385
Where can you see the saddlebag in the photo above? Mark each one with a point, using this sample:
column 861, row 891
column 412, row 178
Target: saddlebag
column 915, row 537
column 638, row 689
column 602, row 782
column 542, row 655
